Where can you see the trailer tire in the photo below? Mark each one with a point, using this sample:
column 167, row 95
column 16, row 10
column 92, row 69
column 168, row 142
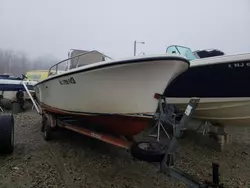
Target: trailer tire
column 47, row 131
column 141, row 151
column 6, row 133
column 43, row 123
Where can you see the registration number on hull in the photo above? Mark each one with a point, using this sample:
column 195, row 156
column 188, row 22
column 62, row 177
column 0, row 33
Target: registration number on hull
column 239, row 65
column 67, row 81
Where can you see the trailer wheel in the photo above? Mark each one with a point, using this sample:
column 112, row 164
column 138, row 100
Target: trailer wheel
column 43, row 123
column 47, row 130
column 6, row 133
column 150, row 151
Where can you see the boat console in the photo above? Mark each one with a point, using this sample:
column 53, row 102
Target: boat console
column 185, row 51
column 192, row 55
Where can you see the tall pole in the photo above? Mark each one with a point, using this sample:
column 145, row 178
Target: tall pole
column 135, row 48
column 135, row 42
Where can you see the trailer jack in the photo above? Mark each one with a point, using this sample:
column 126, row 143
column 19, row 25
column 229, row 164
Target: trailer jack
column 167, row 163
column 167, row 167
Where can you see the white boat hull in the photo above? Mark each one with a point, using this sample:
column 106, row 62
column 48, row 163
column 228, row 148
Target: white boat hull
column 226, row 111
column 126, row 88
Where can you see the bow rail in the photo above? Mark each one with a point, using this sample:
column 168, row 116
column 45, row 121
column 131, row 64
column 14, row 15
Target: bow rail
column 76, row 56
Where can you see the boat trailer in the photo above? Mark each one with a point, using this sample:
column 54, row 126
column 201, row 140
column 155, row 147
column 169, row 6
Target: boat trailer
column 163, row 155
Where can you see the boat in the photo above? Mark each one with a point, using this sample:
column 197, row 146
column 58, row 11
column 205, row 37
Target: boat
column 109, row 95
column 219, row 80
column 11, row 85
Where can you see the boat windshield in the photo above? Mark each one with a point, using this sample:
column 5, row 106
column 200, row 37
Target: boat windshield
column 187, row 52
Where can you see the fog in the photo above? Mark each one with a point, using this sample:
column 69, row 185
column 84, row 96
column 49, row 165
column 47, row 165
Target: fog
column 51, row 28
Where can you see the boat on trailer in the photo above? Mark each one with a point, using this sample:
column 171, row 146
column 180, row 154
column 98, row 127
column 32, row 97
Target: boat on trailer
column 219, row 80
column 119, row 73
column 11, row 87
column 113, row 95
column 145, row 150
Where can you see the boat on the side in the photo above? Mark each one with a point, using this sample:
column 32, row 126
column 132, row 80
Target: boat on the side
column 219, row 80
column 114, row 95
column 11, row 86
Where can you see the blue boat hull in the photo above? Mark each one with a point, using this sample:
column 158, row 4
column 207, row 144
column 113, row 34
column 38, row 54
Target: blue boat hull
column 14, row 87
column 222, row 80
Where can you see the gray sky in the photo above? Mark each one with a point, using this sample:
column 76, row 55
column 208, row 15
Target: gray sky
column 52, row 27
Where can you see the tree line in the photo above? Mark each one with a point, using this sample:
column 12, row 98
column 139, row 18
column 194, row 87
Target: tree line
column 18, row 63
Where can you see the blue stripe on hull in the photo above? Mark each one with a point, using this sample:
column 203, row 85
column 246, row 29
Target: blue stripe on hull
column 14, row 87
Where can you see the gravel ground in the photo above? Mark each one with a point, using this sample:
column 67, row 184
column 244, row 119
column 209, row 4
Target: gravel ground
column 73, row 160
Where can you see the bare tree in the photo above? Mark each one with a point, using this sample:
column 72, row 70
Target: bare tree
column 18, row 63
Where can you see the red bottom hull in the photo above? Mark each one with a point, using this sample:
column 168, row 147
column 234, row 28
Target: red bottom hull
column 114, row 124
column 120, row 125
